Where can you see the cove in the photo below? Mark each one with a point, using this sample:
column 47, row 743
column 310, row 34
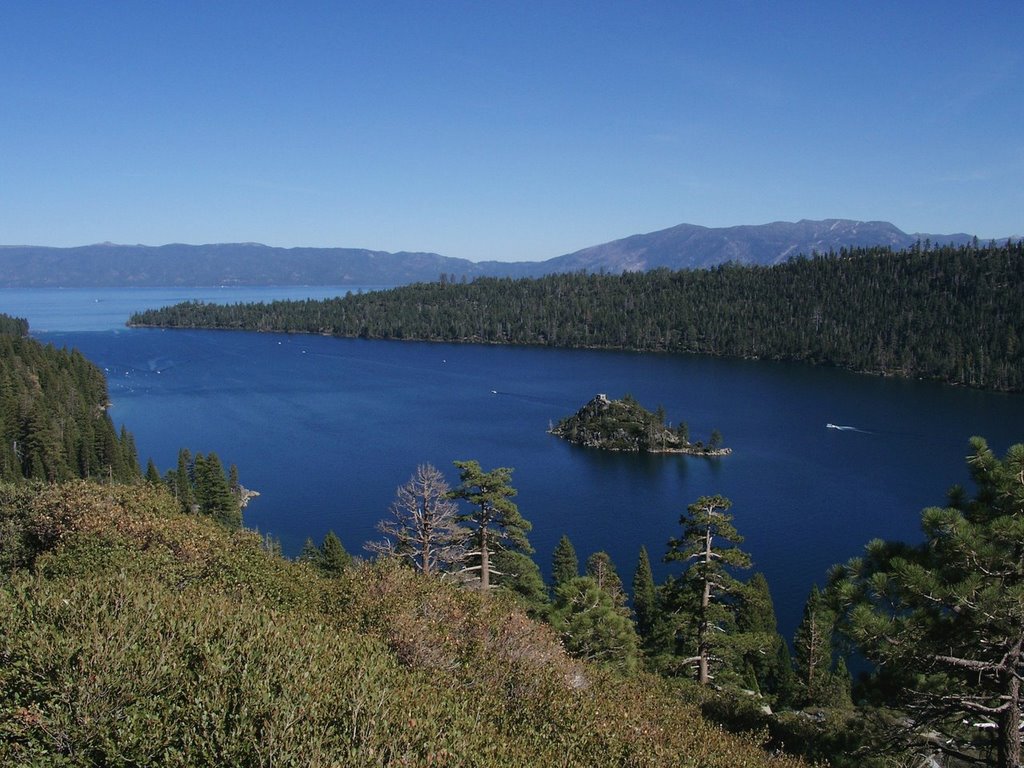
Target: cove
column 326, row 429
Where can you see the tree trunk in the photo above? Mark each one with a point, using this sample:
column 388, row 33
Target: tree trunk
column 1009, row 727
column 703, row 675
column 485, row 562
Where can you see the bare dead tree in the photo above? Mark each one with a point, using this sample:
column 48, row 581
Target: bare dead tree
column 423, row 527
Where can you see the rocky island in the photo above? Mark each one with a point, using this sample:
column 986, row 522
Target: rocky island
column 625, row 425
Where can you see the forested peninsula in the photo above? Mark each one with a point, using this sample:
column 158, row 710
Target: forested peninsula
column 949, row 313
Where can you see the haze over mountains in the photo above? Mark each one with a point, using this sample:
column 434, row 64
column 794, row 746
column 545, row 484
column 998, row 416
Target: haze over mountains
column 680, row 247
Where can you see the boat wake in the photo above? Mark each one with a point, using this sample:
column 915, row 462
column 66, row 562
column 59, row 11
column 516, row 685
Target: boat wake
column 844, row 428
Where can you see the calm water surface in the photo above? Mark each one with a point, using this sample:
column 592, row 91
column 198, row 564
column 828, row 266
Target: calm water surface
column 326, row 429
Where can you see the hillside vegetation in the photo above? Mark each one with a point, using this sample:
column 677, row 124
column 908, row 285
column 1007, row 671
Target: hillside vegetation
column 948, row 313
column 54, row 423
column 138, row 635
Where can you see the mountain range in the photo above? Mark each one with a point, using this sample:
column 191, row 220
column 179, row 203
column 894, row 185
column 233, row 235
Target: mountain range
column 681, row 247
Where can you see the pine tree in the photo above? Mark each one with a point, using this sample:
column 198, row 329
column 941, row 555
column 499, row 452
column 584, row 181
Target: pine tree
column 128, row 460
column 310, row 553
column 564, row 564
column 333, row 557
column 495, row 519
column 521, row 577
column 212, row 492
column 592, row 626
column 944, row 620
column 644, row 606
column 812, row 648
column 708, row 544
column 758, row 644
column 183, row 481
column 152, row 473
column 602, row 570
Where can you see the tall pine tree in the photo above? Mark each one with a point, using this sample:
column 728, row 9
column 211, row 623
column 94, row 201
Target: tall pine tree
column 813, row 651
column 761, row 650
column 944, row 620
column 709, row 545
column 494, row 520
column 644, row 605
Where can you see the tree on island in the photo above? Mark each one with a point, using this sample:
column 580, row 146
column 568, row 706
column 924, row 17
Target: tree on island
column 625, row 425
column 715, row 440
column 495, row 521
column 424, row 528
column 944, row 620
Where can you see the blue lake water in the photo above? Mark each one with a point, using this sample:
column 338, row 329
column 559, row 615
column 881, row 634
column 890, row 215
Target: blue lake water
column 326, row 429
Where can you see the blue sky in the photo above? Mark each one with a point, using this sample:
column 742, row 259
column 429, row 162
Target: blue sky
column 503, row 130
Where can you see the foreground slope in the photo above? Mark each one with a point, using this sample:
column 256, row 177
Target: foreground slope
column 135, row 635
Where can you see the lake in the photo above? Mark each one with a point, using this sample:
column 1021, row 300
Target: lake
column 326, row 429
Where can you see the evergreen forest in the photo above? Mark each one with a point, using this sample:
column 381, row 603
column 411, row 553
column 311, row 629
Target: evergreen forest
column 949, row 313
column 54, row 423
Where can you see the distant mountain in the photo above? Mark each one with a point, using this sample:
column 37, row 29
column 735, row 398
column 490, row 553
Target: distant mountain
column 683, row 246
column 691, row 246
column 107, row 264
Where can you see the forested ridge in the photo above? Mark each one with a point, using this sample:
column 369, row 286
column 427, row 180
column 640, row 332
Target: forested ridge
column 54, row 423
column 946, row 313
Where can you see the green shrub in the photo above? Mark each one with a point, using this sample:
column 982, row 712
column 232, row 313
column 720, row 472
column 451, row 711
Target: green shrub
column 143, row 636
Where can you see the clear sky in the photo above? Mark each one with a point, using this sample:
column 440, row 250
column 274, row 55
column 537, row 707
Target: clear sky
column 503, row 130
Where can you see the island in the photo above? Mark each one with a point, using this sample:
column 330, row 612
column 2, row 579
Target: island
column 625, row 425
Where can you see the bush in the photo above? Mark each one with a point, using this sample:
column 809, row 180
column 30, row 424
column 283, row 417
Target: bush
column 142, row 636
